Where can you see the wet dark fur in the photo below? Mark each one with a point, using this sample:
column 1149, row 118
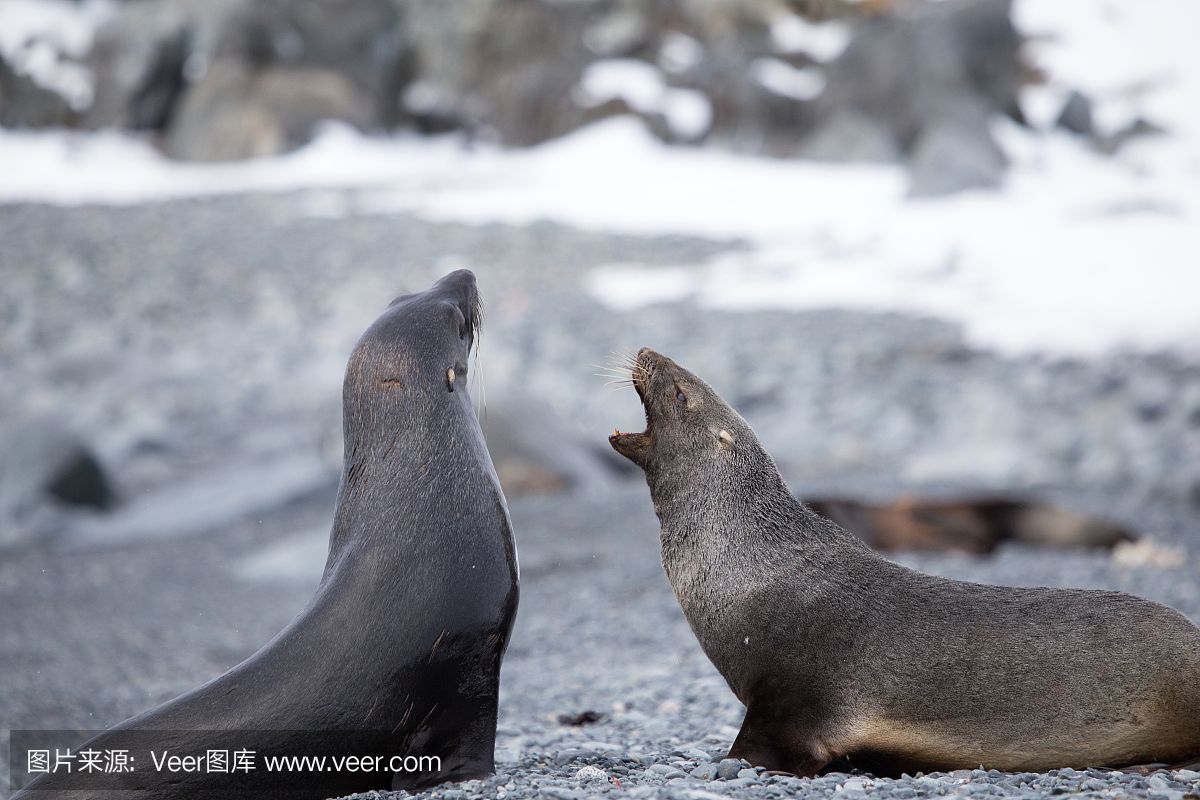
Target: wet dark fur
column 399, row 651
column 842, row 655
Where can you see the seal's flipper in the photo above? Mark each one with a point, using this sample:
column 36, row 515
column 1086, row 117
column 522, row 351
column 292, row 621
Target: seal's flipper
column 465, row 748
column 766, row 741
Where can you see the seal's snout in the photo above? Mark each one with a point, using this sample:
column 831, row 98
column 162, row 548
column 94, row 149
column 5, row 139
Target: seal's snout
column 459, row 288
column 634, row 446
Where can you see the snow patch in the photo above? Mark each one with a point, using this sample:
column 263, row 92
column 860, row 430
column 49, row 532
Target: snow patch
column 787, row 81
column 641, row 85
column 823, row 41
column 46, row 39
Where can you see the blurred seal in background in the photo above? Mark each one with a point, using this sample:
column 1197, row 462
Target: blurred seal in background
column 397, row 657
column 842, row 657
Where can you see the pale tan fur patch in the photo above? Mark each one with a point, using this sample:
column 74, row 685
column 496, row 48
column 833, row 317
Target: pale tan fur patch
column 1118, row 744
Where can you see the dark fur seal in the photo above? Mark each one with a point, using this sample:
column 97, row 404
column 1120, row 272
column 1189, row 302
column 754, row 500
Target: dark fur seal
column 838, row 653
column 398, row 653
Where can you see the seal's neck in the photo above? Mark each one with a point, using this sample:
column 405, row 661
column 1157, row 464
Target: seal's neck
column 716, row 494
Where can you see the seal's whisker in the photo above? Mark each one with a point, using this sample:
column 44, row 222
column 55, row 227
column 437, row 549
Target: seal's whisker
column 477, row 375
column 627, row 362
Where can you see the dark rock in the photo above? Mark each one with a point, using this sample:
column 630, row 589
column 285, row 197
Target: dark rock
column 508, row 66
column 229, row 80
column 237, row 111
column 142, row 56
column 154, row 99
column 43, row 463
column 514, row 67
column 932, row 75
column 364, row 41
column 1076, row 114
column 24, row 104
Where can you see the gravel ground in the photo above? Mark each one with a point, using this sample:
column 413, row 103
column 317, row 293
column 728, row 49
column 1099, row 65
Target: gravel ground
column 186, row 336
column 598, row 630
column 177, row 334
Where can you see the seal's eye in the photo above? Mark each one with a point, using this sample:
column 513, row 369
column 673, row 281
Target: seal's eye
column 680, row 397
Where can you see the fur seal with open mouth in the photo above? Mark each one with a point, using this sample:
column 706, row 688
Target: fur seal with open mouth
column 397, row 656
column 842, row 656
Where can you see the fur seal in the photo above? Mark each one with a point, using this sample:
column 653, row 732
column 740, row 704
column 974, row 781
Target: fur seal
column 843, row 656
column 973, row 524
column 398, row 653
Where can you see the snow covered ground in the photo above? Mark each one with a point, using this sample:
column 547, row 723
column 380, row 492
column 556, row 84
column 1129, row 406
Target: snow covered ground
column 1078, row 254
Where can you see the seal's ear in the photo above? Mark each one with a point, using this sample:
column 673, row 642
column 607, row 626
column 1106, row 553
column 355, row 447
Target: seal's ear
column 725, row 439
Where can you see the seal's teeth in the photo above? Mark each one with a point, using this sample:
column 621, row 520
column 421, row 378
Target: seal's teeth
column 616, row 431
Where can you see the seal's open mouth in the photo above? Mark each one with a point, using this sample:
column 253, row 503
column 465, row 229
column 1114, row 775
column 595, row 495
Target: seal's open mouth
column 641, row 373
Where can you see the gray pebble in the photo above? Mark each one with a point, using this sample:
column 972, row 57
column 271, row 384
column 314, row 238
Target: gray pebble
column 571, row 754
column 1158, row 782
column 729, row 768
column 665, row 771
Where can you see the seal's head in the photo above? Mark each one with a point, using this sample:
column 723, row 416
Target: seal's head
column 687, row 422
column 410, row 366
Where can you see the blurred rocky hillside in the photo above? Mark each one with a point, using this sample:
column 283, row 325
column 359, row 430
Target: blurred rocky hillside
column 872, row 80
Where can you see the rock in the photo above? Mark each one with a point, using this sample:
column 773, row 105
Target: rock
column 517, row 68
column 505, row 66
column 24, row 104
column 853, row 785
column 693, row 753
column 236, row 112
column 705, row 772
column 365, row 42
column 1158, row 783
column 729, row 768
column 590, row 774
column 664, row 771
column 42, row 463
column 749, row 773
column 140, row 59
column 951, row 157
column 932, row 75
column 851, row 136
column 570, row 754
column 1076, row 114
column 227, row 79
